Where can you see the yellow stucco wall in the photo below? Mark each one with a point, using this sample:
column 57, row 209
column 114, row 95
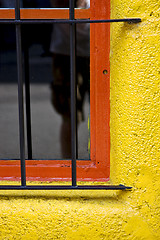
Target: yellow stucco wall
column 135, row 113
column 135, row 150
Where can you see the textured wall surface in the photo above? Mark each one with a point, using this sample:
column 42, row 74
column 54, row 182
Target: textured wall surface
column 67, row 215
column 135, row 150
column 135, row 113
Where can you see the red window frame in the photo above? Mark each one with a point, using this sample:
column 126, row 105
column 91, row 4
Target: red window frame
column 96, row 169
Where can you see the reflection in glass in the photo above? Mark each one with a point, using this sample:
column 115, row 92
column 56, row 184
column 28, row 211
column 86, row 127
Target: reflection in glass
column 46, row 50
column 50, row 89
column 9, row 130
column 50, row 94
column 60, row 48
column 44, row 121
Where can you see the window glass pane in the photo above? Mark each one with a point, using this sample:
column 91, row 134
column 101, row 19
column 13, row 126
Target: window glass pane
column 9, row 130
column 47, row 49
column 36, row 3
column 45, row 122
column 60, row 45
column 83, row 88
column 7, row 3
column 53, row 3
column 50, row 90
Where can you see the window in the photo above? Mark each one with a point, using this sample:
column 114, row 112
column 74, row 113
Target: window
column 97, row 167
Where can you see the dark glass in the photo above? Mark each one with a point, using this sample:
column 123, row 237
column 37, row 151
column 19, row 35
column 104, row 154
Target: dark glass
column 46, row 122
column 9, row 129
column 46, row 50
column 53, row 3
column 83, row 88
column 49, row 75
column 36, row 3
column 7, row 3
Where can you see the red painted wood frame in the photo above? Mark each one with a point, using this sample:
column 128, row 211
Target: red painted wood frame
column 96, row 169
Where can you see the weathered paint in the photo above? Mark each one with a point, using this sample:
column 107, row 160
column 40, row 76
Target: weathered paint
column 135, row 154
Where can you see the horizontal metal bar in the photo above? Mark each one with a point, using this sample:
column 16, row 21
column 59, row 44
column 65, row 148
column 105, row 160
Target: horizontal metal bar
column 65, row 187
column 40, row 21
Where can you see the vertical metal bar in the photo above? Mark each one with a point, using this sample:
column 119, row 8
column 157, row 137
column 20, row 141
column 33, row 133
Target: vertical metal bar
column 27, row 96
column 20, row 94
column 73, row 90
column 76, row 79
column 27, row 93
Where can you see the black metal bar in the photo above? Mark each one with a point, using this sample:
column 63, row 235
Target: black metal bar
column 65, row 187
column 27, row 96
column 20, row 94
column 73, row 91
column 39, row 21
column 17, row 9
